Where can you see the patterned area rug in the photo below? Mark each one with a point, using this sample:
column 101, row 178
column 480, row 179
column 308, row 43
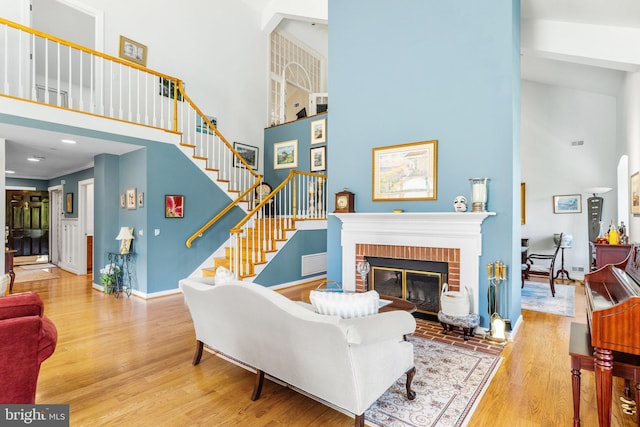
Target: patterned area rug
column 449, row 382
column 536, row 296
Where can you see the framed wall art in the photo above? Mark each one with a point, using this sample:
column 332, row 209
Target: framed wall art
column 69, row 206
column 285, row 154
column 131, row 198
column 173, row 206
column 634, row 188
column 405, row 172
column 318, row 159
column 319, row 131
column 248, row 153
column 133, row 51
column 571, row 203
column 203, row 127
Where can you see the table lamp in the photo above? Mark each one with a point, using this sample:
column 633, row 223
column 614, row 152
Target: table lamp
column 125, row 236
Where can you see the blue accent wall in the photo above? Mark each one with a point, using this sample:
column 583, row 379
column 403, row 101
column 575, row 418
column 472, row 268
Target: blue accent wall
column 286, row 266
column 425, row 70
column 38, row 184
column 156, row 169
column 300, row 130
column 71, row 186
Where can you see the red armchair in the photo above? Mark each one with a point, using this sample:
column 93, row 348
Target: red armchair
column 27, row 338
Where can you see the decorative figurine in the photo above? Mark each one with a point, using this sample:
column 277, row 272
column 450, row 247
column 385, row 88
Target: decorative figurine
column 460, row 204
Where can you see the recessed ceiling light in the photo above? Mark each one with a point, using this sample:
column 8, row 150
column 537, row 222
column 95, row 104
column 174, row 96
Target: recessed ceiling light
column 68, row 141
column 9, row 172
column 35, row 158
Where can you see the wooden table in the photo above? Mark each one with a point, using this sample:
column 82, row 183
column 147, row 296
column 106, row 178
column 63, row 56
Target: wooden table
column 625, row 366
column 397, row 304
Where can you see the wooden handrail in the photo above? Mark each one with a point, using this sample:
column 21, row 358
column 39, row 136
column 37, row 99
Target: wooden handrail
column 222, row 213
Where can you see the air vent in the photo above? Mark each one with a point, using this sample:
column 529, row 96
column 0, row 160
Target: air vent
column 577, row 268
column 576, row 143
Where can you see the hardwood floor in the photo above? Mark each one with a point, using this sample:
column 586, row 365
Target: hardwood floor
column 127, row 362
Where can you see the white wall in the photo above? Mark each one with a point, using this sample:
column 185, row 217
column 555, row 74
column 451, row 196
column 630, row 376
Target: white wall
column 552, row 117
column 630, row 136
column 216, row 47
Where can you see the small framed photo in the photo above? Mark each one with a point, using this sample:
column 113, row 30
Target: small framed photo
column 285, row 154
column 248, row 153
column 319, row 131
column 318, row 159
column 173, row 206
column 131, row 198
column 634, row 187
column 123, row 201
column 140, row 199
column 203, row 127
column 133, row 51
column 69, row 206
column 571, row 203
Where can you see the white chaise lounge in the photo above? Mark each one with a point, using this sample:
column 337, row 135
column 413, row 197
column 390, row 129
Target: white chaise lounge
column 348, row 363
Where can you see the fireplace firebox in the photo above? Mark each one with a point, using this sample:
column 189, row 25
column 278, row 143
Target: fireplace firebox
column 419, row 282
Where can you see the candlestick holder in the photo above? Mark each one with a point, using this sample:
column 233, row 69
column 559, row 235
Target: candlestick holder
column 363, row 267
column 478, row 194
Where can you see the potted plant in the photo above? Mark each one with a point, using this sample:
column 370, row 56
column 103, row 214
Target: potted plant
column 109, row 278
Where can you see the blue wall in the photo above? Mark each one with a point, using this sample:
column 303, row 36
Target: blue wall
column 71, row 186
column 38, row 184
column 157, row 169
column 300, row 130
column 422, row 70
column 286, row 266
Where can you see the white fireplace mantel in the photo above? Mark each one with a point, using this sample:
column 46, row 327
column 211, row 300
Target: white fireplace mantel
column 462, row 230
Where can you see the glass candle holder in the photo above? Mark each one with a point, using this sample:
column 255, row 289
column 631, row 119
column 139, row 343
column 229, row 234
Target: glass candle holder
column 478, row 194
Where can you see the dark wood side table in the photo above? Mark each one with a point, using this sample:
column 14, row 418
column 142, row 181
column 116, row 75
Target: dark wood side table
column 625, row 366
column 8, row 266
column 610, row 254
column 397, row 304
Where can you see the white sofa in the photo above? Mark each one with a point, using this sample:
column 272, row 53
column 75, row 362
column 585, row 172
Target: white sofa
column 348, row 363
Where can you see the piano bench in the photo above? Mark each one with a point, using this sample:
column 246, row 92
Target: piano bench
column 467, row 323
column 625, row 366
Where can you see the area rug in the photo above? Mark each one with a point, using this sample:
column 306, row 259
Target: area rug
column 37, row 266
column 27, row 275
column 536, row 296
column 449, row 382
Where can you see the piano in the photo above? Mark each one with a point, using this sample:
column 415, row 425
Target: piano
column 613, row 314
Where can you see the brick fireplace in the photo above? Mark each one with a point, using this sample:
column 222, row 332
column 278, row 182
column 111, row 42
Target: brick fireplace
column 451, row 237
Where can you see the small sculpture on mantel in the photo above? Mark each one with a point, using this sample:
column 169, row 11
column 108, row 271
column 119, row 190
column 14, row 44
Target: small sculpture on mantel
column 460, row 204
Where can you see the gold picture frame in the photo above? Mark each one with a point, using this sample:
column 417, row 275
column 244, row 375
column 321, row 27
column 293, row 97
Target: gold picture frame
column 319, row 131
column 133, row 51
column 523, row 204
column 634, row 188
column 405, row 172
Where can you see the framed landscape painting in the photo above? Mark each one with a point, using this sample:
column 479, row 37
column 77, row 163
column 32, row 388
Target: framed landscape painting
column 319, row 131
column 285, row 154
column 571, row 203
column 248, row 153
column 405, row 172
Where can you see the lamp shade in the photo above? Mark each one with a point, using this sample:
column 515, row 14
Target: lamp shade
column 125, row 234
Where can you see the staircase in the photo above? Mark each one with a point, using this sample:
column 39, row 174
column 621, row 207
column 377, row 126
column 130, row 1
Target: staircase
column 128, row 92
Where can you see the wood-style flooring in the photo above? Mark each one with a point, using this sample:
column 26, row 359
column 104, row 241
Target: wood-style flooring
column 127, row 362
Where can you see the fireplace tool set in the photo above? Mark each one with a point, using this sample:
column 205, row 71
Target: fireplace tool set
column 497, row 274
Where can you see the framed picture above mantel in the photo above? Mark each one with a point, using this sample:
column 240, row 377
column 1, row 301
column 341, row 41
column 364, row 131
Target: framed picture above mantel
column 405, row 172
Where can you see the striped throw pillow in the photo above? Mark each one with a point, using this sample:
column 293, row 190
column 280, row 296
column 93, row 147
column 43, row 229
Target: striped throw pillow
column 345, row 304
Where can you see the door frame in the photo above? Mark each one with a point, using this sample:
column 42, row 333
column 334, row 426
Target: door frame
column 83, row 213
column 56, row 214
